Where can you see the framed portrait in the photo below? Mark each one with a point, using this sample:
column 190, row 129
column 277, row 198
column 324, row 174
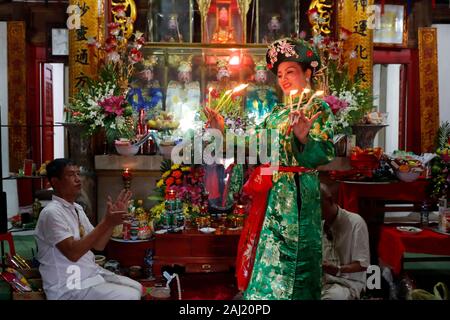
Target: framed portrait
column 59, row 41
column 391, row 26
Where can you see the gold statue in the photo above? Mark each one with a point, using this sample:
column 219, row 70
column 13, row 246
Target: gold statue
column 224, row 32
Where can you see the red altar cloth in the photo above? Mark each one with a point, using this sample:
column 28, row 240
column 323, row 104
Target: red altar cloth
column 393, row 243
column 349, row 193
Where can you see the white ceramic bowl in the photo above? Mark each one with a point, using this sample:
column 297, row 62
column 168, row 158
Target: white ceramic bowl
column 166, row 151
column 126, row 149
column 100, row 260
column 207, row 230
column 408, row 176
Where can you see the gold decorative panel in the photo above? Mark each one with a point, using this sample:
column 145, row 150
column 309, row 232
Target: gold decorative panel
column 354, row 16
column 17, row 104
column 429, row 87
column 83, row 60
column 325, row 11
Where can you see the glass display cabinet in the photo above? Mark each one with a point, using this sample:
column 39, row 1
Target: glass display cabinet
column 185, row 72
column 170, row 21
column 219, row 21
column 275, row 21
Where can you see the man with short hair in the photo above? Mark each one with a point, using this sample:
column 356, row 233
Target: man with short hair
column 345, row 251
column 65, row 238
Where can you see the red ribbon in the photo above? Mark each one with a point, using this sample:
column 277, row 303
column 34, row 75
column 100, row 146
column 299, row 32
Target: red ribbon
column 258, row 187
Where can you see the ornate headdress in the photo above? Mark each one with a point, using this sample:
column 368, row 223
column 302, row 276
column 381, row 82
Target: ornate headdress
column 185, row 65
column 173, row 16
column 289, row 49
column 150, row 62
column 260, row 65
column 222, row 64
column 181, row 63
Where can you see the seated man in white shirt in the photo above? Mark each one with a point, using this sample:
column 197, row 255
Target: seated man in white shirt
column 345, row 250
column 65, row 238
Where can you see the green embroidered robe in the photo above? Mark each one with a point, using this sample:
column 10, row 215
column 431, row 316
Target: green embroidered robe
column 288, row 262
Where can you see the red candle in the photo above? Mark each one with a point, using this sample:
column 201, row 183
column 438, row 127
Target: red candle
column 240, row 209
column 171, row 194
column 126, row 174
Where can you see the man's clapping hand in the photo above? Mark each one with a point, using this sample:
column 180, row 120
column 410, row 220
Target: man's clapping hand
column 116, row 211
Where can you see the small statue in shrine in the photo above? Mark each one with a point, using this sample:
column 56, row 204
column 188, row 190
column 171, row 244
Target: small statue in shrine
column 145, row 92
column 223, row 76
column 274, row 29
column 173, row 30
column 261, row 97
column 183, row 95
column 224, row 32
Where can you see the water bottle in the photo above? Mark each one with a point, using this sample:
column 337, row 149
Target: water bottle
column 168, row 212
column 180, row 215
column 424, row 214
column 148, row 262
column 444, row 215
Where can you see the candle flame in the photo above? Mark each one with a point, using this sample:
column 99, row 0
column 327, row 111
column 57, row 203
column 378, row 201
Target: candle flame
column 306, row 90
column 318, row 93
column 210, row 89
column 293, row 92
column 240, row 87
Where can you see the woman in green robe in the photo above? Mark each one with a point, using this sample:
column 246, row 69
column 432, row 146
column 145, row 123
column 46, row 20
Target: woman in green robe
column 288, row 258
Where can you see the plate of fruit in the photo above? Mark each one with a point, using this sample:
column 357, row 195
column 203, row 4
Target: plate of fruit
column 163, row 121
column 407, row 167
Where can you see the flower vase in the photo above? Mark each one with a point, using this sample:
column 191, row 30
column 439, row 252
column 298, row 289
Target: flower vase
column 365, row 134
column 340, row 147
column 81, row 149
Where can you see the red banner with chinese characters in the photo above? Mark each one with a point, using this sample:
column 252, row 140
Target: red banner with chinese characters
column 354, row 16
column 17, row 97
column 429, row 87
